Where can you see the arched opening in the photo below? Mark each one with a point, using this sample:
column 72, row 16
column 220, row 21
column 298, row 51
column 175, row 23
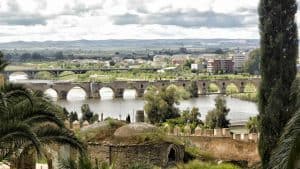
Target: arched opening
column 106, row 93
column 213, row 88
column 76, row 93
column 129, row 94
column 51, row 93
column 172, row 156
column 44, row 75
column 232, row 88
column 14, row 77
column 250, row 88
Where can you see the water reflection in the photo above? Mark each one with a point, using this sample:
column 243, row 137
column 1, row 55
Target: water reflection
column 239, row 109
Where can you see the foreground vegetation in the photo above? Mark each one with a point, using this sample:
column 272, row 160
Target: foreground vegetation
column 205, row 165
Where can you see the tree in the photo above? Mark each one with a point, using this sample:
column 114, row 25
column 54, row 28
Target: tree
column 29, row 122
column 73, row 116
column 217, row 117
column 160, row 104
column 279, row 51
column 252, row 64
column 252, row 124
column 88, row 115
column 193, row 89
column 287, row 153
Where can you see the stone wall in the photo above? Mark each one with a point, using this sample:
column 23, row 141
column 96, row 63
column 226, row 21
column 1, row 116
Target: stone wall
column 123, row 156
column 226, row 148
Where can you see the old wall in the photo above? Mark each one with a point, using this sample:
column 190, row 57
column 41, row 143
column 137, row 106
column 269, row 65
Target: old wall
column 227, row 148
column 123, row 156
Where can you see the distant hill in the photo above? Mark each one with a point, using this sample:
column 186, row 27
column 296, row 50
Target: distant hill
column 132, row 43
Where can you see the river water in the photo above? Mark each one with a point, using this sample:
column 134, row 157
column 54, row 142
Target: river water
column 120, row 108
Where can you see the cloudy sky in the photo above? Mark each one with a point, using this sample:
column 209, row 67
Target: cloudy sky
column 40, row 20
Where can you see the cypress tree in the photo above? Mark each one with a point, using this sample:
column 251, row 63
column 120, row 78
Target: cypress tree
column 279, row 52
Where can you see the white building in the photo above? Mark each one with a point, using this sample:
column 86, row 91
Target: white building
column 199, row 66
column 239, row 60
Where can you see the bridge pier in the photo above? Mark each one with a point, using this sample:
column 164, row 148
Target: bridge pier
column 119, row 93
column 140, row 92
column 223, row 88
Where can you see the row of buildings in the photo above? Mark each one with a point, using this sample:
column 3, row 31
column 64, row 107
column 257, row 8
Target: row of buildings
column 233, row 63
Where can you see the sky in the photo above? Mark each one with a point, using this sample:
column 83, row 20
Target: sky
column 41, row 20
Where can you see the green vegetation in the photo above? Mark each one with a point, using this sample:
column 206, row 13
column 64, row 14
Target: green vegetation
column 287, row 153
column 231, row 89
column 252, row 65
column 107, row 76
column 246, row 96
column 202, row 165
column 190, row 117
column 279, row 53
column 193, row 89
column 29, row 122
column 249, row 95
column 252, row 125
column 216, row 118
column 83, row 162
column 88, row 115
column 160, row 104
column 213, row 88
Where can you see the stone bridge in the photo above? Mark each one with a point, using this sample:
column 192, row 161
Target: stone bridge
column 118, row 87
column 31, row 73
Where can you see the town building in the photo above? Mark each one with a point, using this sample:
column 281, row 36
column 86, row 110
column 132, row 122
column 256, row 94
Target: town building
column 239, row 60
column 220, row 65
column 199, row 66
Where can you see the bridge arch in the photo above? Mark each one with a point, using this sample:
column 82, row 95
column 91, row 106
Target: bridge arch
column 213, row 87
column 77, row 93
column 106, row 93
column 250, row 87
column 52, row 93
column 232, row 88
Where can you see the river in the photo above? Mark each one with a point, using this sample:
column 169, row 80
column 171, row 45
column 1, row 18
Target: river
column 120, row 108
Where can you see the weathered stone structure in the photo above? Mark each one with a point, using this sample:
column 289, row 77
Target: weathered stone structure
column 123, row 156
column 226, row 148
column 92, row 89
column 123, row 153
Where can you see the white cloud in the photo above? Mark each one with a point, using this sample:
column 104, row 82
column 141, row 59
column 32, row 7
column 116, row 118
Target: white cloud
column 39, row 20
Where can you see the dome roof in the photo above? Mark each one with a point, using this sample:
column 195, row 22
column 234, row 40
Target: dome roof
column 134, row 129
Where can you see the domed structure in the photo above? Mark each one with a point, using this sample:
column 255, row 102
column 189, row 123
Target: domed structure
column 135, row 129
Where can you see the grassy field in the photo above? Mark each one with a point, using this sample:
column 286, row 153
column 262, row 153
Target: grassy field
column 103, row 76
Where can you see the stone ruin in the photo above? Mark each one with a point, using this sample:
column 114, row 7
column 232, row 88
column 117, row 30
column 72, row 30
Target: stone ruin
column 219, row 132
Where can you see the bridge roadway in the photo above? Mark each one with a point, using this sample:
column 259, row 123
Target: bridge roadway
column 32, row 72
column 92, row 88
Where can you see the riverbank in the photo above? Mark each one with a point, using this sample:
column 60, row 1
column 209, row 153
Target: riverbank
column 252, row 97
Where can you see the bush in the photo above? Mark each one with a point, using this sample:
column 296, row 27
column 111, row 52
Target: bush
column 201, row 165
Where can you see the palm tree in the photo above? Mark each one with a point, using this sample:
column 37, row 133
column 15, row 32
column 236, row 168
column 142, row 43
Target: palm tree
column 287, row 153
column 252, row 124
column 29, row 121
